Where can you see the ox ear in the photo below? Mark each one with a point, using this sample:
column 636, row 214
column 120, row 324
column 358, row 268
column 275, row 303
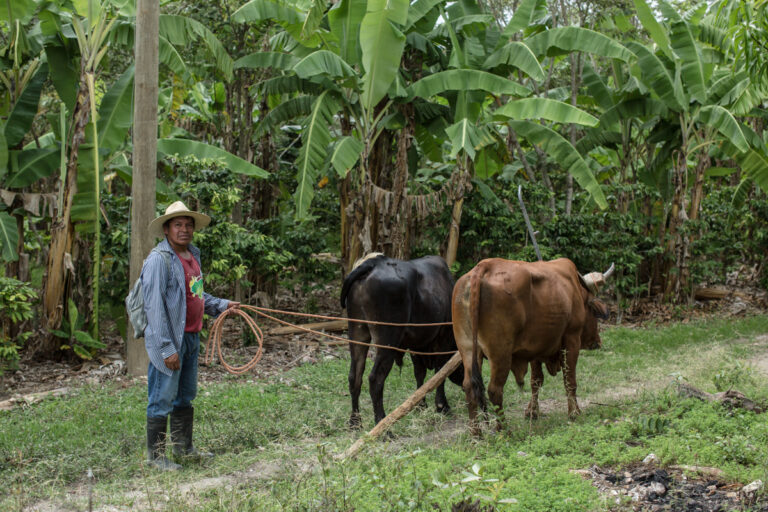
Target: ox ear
column 598, row 308
column 587, row 281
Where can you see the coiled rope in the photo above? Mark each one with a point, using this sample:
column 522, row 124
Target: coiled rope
column 214, row 337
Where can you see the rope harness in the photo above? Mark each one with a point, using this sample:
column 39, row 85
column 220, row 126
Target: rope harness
column 214, row 338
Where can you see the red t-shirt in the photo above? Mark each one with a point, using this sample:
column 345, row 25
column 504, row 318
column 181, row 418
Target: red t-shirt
column 193, row 281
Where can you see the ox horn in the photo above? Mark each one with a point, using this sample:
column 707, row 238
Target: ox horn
column 595, row 280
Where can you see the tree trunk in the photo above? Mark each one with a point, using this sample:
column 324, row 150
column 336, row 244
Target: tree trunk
column 345, row 224
column 59, row 264
column 677, row 246
column 575, row 81
column 144, row 157
column 398, row 215
column 697, row 194
column 453, row 233
column 460, row 185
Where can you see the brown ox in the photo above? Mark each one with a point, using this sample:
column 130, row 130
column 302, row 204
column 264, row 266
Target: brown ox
column 515, row 313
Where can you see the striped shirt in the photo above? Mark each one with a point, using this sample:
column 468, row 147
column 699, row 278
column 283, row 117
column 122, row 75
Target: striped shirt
column 165, row 303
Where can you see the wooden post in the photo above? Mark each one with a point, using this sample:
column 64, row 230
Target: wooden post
column 144, row 157
column 404, row 408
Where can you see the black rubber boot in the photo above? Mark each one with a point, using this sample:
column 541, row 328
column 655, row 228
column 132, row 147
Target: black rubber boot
column 182, row 422
column 156, row 428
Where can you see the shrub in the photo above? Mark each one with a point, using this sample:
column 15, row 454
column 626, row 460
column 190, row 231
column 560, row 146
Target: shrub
column 727, row 235
column 16, row 299
column 493, row 226
column 230, row 252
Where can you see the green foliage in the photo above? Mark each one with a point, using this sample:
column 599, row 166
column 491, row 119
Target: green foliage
column 9, row 237
column 16, row 300
column 733, row 373
column 650, row 425
column 116, row 244
column 230, row 252
column 81, row 343
column 493, row 226
column 728, row 236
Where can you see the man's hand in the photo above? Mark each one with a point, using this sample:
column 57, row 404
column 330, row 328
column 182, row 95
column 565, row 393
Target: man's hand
column 233, row 305
column 172, row 362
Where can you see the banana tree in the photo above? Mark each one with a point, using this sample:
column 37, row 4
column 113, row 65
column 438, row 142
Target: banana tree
column 364, row 92
column 480, row 79
column 336, row 80
column 700, row 90
column 73, row 42
column 22, row 74
column 91, row 38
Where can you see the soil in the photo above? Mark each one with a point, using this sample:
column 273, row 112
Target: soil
column 648, row 488
column 642, row 487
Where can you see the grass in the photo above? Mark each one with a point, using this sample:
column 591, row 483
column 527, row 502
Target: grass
column 275, row 438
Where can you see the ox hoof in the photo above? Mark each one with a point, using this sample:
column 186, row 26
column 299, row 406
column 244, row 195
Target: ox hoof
column 532, row 414
column 573, row 414
column 444, row 409
column 355, row 423
column 422, row 404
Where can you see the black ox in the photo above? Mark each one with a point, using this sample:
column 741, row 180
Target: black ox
column 389, row 290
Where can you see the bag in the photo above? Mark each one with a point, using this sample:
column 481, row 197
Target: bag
column 134, row 302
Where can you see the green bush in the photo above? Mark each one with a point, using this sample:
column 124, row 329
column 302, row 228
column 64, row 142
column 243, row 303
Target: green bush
column 230, row 252
column 16, row 300
column 492, row 225
column 81, row 343
column 726, row 236
column 116, row 250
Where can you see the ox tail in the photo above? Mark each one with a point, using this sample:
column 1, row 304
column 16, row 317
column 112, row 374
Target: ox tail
column 478, row 388
column 358, row 272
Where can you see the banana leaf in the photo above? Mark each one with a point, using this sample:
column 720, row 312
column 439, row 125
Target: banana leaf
column 315, row 138
column 202, row 150
column 466, row 80
column 323, row 62
column 564, row 154
column 116, row 112
column 183, row 31
column 9, row 237
column 544, row 108
column 344, row 19
column 25, row 109
column 346, row 154
column 382, row 47
column 264, row 10
column 30, row 165
column 563, row 40
column 275, row 60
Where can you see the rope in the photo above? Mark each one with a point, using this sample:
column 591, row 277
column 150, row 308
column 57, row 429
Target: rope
column 214, row 337
column 260, row 310
column 214, row 342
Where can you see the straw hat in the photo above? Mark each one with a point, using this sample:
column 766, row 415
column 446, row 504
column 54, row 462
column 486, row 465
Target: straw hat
column 177, row 209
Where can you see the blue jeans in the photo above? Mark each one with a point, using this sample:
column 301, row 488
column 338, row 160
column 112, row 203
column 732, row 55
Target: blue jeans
column 169, row 393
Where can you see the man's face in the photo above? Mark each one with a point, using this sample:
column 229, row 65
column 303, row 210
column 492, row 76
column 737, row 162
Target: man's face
column 179, row 231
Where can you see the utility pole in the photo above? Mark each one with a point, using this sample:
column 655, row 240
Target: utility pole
column 146, row 47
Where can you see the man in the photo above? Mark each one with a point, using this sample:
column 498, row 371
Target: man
column 174, row 301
